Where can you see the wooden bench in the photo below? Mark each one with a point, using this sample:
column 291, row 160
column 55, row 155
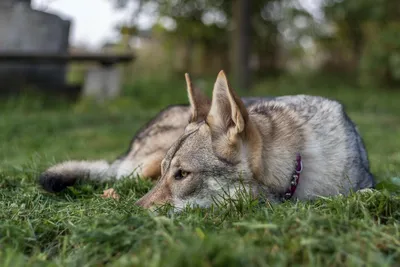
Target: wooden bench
column 101, row 81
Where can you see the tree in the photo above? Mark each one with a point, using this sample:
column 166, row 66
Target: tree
column 244, row 28
column 241, row 42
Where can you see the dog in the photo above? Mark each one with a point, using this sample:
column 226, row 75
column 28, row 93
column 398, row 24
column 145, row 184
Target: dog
column 299, row 147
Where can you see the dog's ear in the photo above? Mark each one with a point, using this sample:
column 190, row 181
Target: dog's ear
column 199, row 102
column 228, row 112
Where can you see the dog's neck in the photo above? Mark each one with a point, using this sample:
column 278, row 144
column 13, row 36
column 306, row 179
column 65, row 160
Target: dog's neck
column 273, row 147
column 255, row 143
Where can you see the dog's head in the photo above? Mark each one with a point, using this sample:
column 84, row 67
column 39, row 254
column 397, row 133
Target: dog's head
column 217, row 154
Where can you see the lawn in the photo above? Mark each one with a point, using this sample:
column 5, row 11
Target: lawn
column 79, row 228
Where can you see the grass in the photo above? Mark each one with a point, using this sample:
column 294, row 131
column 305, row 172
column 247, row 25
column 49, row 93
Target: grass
column 78, row 228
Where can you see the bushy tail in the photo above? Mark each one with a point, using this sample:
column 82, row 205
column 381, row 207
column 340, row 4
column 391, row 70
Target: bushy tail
column 58, row 177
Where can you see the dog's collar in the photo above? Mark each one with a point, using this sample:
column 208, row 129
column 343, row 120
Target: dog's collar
column 295, row 178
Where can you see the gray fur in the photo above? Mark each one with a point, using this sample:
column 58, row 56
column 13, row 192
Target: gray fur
column 334, row 156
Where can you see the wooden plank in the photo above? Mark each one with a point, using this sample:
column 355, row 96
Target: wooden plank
column 57, row 58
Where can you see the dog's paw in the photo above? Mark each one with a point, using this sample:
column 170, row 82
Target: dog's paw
column 110, row 193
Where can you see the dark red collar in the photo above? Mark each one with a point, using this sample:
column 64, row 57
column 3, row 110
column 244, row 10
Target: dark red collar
column 295, row 178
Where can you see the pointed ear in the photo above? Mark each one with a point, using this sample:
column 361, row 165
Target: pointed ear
column 227, row 113
column 199, row 102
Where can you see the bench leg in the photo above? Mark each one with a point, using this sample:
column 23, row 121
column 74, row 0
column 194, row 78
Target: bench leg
column 102, row 83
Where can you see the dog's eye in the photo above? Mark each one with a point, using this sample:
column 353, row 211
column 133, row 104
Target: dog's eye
column 180, row 174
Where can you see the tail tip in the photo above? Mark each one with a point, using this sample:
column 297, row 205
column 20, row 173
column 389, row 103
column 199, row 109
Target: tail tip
column 55, row 182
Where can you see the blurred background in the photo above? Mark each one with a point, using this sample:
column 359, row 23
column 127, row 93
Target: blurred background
column 256, row 39
column 252, row 40
column 122, row 61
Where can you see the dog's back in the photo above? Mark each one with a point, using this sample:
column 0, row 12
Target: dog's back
column 332, row 145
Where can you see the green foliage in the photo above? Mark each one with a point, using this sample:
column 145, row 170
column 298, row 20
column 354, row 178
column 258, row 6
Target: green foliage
column 380, row 63
column 356, row 10
column 369, row 29
column 79, row 228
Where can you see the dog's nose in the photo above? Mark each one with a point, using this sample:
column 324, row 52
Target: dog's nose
column 139, row 203
column 142, row 202
column 159, row 195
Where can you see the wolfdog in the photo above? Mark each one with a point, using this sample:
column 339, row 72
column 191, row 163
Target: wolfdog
column 299, row 147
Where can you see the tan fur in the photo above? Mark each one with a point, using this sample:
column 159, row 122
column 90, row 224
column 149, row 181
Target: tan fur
column 151, row 168
column 160, row 194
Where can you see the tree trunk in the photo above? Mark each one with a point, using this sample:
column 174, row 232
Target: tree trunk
column 234, row 45
column 240, row 50
column 268, row 56
column 356, row 37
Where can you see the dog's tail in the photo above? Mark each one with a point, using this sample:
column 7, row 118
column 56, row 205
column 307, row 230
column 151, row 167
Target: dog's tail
column 58, row 177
